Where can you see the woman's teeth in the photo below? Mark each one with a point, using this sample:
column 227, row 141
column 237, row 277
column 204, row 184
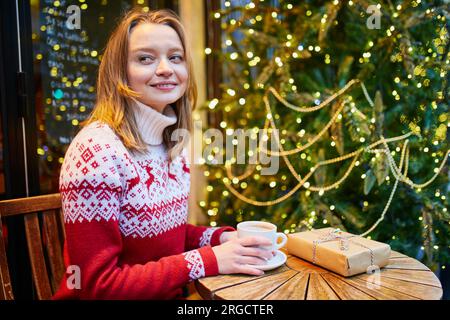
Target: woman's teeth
column 165, row 85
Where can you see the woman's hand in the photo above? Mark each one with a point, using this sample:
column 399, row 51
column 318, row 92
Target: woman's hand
column 227, row 236
column 237, row 255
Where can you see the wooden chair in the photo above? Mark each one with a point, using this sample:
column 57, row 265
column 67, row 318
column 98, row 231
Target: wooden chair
column 45, row 237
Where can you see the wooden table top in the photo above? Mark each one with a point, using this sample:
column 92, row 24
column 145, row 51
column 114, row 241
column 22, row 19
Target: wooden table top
column 404, row 278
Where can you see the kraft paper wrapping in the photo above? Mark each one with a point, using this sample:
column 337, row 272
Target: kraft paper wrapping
column 354, row 260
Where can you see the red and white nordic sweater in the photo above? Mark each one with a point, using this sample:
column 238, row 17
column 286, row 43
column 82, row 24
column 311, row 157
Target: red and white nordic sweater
column 126, row 217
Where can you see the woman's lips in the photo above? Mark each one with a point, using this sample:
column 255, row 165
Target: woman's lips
column 165, row 87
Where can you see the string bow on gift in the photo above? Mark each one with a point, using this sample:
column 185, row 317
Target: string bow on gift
column 344, row 240
column 335, row 234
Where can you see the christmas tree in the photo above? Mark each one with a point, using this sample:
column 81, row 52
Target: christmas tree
column 358, row 93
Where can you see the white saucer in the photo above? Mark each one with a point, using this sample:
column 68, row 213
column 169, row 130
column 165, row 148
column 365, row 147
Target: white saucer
column 273, row 263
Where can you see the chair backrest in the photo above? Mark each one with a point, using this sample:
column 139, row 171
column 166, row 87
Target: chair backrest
column 44, row 229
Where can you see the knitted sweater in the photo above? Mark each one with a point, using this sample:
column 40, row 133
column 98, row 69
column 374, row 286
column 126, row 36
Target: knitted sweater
column 125, row 215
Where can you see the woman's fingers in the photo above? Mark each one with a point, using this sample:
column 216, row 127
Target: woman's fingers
column 255, row 241
column 247, row 269
column 252, row 260
column 257, row 252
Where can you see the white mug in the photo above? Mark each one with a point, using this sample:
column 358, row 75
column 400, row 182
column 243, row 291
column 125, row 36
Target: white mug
column 264, row 229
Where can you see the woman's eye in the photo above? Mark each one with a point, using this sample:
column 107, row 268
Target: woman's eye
column 176, row 58
column 145, row 59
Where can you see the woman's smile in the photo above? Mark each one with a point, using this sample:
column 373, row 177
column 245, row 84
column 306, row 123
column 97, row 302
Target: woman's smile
column 164, row 86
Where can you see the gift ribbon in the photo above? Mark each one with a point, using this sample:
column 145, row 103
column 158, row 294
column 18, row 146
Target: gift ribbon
column 336, row 234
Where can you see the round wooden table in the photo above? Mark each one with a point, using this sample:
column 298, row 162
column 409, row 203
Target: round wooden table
column 404, row 278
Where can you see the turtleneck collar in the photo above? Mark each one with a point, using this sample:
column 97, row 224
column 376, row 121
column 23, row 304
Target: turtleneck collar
column 152, row 123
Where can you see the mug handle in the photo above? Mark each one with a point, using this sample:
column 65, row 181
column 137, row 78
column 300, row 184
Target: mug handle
column 283, row 242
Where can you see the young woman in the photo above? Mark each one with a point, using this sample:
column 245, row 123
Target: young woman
column 125, row 183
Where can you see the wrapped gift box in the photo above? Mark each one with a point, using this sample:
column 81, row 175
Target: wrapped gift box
column 338, row 251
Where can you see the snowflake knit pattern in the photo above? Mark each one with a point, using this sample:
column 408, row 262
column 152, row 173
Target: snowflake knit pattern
column 126, row 216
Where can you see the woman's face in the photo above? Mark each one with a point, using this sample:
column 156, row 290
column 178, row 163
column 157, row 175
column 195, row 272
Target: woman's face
column 156, row 65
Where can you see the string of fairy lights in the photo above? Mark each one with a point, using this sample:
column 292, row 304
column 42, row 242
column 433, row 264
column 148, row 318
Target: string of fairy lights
column 248, row 24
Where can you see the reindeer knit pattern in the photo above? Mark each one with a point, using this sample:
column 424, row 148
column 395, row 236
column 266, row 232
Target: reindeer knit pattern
column 126, row 217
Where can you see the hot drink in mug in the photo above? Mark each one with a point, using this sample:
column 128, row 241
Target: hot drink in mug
column 264, row 229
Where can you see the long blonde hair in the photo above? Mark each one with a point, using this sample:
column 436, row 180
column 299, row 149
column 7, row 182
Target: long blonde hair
column 114, row 95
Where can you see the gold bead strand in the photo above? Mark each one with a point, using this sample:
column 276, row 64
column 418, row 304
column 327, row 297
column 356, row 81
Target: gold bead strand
column 315, row 108
column 391, row 196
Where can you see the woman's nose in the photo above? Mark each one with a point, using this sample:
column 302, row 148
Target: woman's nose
column 164, row 68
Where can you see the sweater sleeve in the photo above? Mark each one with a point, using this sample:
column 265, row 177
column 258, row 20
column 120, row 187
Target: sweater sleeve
column 201, row 236
column 91, row 189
